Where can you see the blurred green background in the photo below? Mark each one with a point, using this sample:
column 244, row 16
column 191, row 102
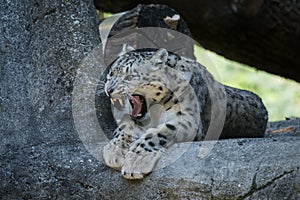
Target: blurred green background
column 281, row 96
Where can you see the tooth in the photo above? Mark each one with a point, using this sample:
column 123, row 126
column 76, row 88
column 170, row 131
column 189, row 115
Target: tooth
column 121, row 102
column 112, row 101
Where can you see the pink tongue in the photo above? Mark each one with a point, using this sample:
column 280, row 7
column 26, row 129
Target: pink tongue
column 137, row 105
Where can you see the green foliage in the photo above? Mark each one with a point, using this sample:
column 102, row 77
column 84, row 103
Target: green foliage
column 281, row 96
column 103, row 15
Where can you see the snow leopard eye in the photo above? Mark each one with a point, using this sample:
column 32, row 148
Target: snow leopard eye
column 158, row 64
column 128, row 78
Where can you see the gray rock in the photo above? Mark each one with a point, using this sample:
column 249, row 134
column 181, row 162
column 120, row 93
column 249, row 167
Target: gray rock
column 234, row 169
column 42, row 157
column 42, row 44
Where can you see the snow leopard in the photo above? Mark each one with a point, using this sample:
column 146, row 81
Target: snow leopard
column 167, row 98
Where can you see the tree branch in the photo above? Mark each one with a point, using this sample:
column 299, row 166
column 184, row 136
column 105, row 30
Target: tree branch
column 261, row 33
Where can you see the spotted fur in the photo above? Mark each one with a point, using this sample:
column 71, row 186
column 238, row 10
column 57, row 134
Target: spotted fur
column 177, row 93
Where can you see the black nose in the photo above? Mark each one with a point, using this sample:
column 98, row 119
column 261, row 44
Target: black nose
column 109, row 91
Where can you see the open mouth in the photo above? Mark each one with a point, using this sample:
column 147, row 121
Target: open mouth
column 137, row 102
column 139, row 107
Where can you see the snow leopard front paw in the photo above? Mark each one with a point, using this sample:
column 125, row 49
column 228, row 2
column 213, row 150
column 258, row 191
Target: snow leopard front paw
column 139, row 162
column 114, row 154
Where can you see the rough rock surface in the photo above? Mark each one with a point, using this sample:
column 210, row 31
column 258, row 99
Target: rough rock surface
column 265, row 168
column 41, row 45
column 42, row 157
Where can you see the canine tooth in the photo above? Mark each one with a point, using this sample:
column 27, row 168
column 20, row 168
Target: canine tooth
column 121, row 102
column 112, row 101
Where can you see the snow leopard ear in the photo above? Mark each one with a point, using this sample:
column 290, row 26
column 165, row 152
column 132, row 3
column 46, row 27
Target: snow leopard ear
column 159, row 58
column 125, row 49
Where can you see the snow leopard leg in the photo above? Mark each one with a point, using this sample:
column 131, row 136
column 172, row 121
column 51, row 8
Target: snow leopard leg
column 124, row 135
column 145, row 152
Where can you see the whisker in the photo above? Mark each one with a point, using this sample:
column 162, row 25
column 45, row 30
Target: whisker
column 95, row 84
column 98, row 92
column 96, row 87
column 102, row 82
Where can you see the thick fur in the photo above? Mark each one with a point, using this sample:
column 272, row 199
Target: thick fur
column 182, row 101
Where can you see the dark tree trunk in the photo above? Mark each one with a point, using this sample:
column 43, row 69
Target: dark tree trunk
column 263, row 34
